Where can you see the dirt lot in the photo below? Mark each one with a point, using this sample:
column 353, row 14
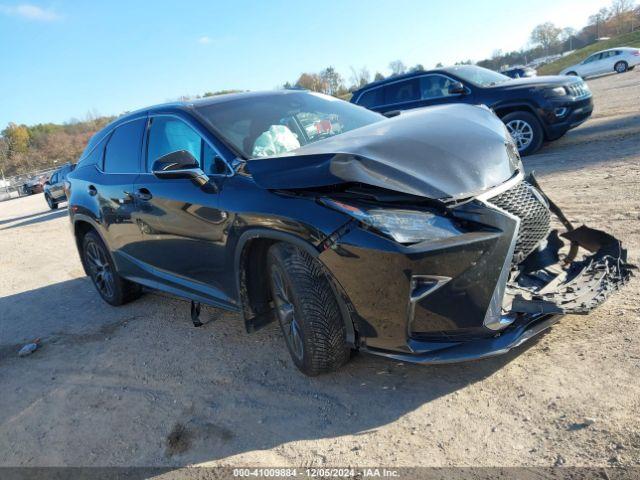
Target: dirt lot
column 138, row 385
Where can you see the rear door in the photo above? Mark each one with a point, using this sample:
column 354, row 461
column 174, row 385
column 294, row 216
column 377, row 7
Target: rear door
column 181, row 231
column 54, row 190
column 113, row 187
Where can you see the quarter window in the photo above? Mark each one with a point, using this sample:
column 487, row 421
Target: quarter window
column 122, row 154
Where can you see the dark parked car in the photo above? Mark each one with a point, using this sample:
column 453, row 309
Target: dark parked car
column 534, row 109
column 54, row 188
column 415, row 237
column 519, row 72
column 34, row 185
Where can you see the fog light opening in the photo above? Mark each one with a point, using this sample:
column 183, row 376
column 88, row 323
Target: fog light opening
column 560, row 112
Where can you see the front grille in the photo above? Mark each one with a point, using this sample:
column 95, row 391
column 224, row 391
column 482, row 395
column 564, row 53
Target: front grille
column 533, row 213
column 578, row 90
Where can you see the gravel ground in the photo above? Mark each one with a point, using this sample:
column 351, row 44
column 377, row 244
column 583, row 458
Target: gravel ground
column 138, row 385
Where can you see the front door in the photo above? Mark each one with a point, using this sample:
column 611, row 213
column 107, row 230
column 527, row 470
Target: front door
column 181, row 231
column 434, row 90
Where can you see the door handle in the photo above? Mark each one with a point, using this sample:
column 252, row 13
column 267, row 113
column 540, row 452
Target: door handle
column 92, row 191
column 143, row 194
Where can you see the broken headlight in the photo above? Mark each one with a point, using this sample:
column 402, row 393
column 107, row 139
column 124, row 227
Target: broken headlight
column 403, row 226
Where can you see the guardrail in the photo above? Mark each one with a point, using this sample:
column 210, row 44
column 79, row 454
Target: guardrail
column 19, row 185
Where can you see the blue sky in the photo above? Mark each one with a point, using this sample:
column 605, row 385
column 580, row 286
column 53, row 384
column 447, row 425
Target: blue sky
column 64, row 58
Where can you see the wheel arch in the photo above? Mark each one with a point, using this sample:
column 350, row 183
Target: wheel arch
column 250, row 271
column 503, row 110
column 82, row 225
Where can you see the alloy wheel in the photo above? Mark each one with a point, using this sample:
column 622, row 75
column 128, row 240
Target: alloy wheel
column 521, row 132
column 621, row 67
column 100, row 269
column 285, row 310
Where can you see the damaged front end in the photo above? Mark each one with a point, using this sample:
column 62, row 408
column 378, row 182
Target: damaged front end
column 546, row 274
column 447, row 252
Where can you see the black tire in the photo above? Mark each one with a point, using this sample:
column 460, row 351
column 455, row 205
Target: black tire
column 52, row 205
column 532, row 125
column 307, row 310
column 621, row 67
column 113, row 289
column 572, row 74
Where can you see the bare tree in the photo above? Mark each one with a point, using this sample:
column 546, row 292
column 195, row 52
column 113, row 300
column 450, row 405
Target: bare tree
column 567, row 35
column 546, row 34
column 397, row 67
column 359, row 78
column 621, row 13
column 599, row 19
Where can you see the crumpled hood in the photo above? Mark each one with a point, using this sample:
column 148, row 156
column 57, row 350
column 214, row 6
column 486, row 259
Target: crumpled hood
column 443, row 152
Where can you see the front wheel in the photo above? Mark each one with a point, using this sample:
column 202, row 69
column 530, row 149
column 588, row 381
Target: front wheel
column 52, row 205
column 621, row 67
column 113, row 289
column 525, row 130
column 307, row 310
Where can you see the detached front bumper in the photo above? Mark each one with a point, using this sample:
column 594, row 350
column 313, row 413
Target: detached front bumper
column 537, row 302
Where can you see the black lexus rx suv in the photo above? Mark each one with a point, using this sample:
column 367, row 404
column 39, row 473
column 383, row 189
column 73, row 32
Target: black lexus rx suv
column 415, row 237
column 534, row 109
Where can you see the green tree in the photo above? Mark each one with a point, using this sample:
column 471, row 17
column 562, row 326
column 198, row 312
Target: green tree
column 546, row 35
column 17, row 137
column 332, row 81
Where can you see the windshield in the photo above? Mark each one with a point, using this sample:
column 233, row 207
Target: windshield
column 263, row 126
column 481, row 77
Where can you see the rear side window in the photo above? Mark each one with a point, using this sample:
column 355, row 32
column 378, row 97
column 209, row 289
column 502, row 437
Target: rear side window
column 372, row 98
column 122, row 154
column 400, row 92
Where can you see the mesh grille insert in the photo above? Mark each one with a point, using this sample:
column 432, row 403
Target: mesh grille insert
column 534, row 216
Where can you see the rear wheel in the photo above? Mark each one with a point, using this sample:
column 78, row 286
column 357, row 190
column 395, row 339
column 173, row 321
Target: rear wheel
column 572, row 74
column 52, row 205
column 621, row 67
column 307, row 310
column 113, row 289
column 525, row 130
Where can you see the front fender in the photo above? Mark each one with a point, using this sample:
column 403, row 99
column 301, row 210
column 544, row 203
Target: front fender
column 256, row 317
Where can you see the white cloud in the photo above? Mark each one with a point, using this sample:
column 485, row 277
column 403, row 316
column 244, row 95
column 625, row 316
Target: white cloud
column 30, row 12
column 204, row 40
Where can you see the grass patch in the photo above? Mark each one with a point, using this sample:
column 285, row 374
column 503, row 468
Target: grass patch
column 625, row 40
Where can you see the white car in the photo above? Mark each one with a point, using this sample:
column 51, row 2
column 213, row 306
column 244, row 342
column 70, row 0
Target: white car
column 606, row 61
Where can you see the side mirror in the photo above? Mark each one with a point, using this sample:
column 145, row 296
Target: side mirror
column 179, row 164
column 392, row 113
column 457, row 88
column 47, row 182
